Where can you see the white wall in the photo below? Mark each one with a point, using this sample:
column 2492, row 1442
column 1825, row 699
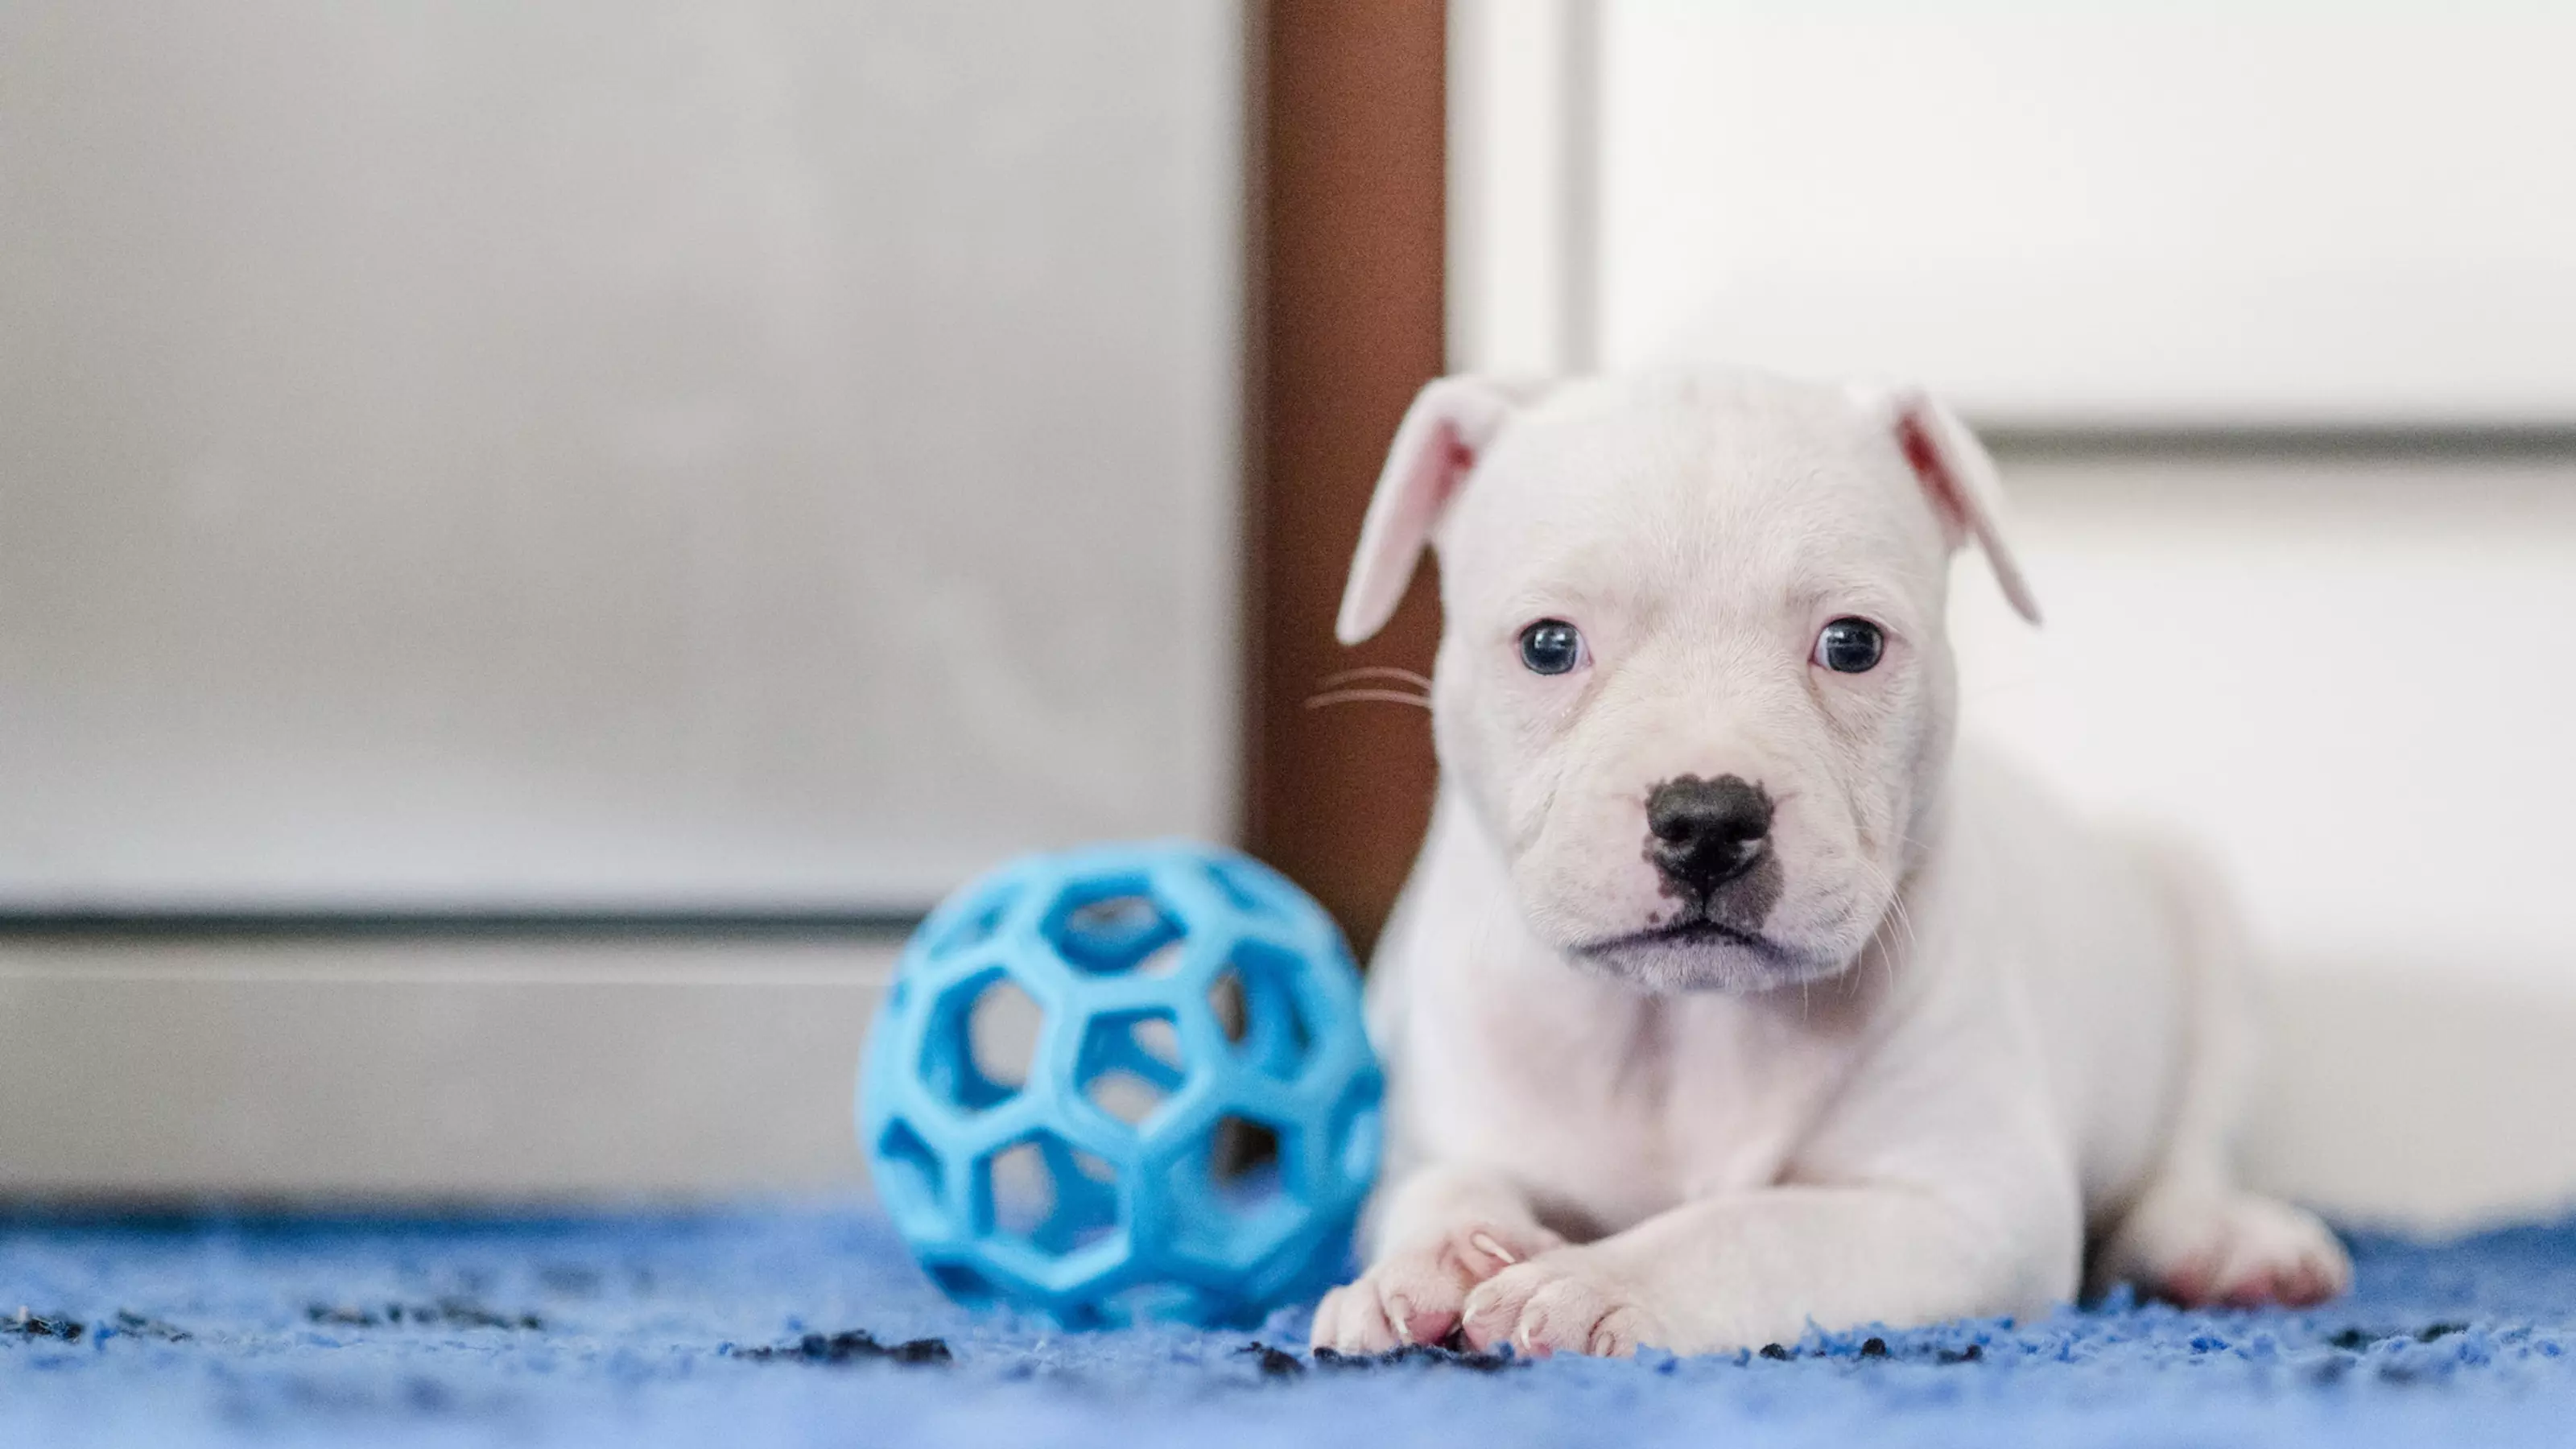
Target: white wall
column 2082, row 214
column 2341, row 673
column 673, row 454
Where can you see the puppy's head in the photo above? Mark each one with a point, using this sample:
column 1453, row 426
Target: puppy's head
column 1694, row 678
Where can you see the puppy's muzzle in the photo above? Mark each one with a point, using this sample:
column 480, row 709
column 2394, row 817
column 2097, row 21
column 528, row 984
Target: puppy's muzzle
column 1703, row 834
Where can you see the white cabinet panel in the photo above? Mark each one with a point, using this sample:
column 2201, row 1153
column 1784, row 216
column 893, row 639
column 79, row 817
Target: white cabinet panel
column 2338, row 673
column 687, row 454
column 2102, row 214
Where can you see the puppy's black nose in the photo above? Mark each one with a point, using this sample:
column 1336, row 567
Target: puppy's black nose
column 1706, row 832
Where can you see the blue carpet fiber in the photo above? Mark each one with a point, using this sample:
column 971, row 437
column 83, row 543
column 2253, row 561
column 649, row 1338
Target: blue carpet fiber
column 743, row 1328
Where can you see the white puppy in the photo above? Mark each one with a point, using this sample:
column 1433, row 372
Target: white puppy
column 1725, row 999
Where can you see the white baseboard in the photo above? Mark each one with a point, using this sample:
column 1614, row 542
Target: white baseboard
column 379, row 1070
column 2418, row 1097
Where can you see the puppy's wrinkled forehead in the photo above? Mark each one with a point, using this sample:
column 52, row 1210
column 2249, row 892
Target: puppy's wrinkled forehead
column 1677, row 485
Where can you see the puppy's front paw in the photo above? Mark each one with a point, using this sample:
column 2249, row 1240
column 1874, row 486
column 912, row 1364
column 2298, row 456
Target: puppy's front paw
column 2235, row 1249
column 1569, row 1301
column 1413, row 1294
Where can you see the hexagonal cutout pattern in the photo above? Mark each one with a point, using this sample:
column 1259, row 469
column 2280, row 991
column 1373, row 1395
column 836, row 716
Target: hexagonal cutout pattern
column 1247, row 1158
column 1245, row 1166
column 962, row 1283
column 1115, row 926
column 1255, row 999
column 1241, row 887
column 982, row 1037
column 1359, row 1129
column 1130, row 1063
column 909, row 1174
column 1048, row 1194
column 977, row 923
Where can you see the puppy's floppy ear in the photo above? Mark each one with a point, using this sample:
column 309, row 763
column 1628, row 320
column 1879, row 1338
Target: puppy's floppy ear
column 1443, row 435
column 1957, row 475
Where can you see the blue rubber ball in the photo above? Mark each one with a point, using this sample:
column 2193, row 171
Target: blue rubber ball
column 1122, row 1083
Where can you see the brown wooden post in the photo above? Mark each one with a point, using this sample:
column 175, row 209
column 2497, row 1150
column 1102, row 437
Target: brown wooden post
column 1348, row 177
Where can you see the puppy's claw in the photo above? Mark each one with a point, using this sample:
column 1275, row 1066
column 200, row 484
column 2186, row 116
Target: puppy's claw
column 1414, row 1294
column 1562, row 1303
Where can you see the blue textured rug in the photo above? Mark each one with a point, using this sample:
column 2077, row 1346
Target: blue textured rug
column 741, row 1329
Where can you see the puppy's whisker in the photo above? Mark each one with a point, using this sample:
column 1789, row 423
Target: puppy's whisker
column 1904, row 918
column 1896, row 908
column 1898, row 914
column 1905, row 924
column 1375, row 671
column 1366, row 696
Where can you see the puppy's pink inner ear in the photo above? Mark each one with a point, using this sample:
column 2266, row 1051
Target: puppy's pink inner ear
column 1924, row 456
column 1456, row 460
column 1959, row 480
column 1438, row 444
column 1460, row 460
column 1409, row 502
column 1438, row 476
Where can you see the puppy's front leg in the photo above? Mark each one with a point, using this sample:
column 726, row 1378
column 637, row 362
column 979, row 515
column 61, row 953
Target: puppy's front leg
column 1440, row 1231
column 1759, row 1267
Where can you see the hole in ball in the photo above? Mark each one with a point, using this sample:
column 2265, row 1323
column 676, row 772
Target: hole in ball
column 1130, row 1063
column 1115, row 926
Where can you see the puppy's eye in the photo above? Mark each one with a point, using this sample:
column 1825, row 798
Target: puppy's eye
column 1850, row 646
column 1551, row 646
